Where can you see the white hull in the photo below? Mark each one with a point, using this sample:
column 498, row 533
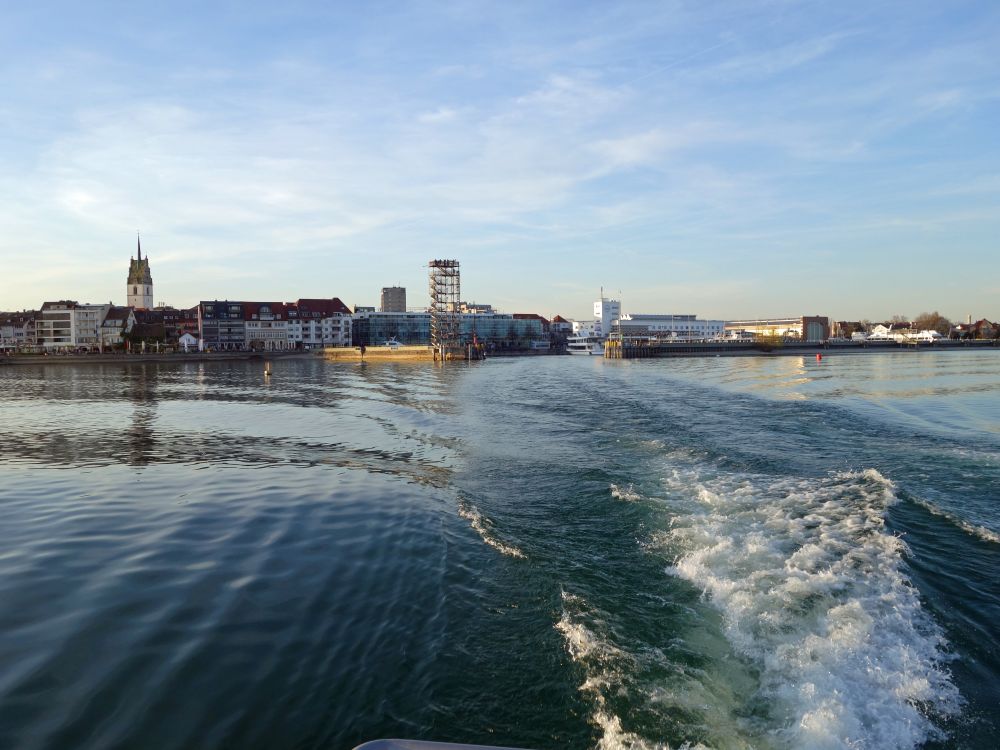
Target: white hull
column 587, row 346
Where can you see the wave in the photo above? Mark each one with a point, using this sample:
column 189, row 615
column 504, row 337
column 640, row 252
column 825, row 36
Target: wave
column 484, row 527
column 628, row 494
column 620, row 679
column 606, row 666
column 812, row 594
column 981, row 532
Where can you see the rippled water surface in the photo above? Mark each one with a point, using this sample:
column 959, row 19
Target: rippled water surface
column 556, row 552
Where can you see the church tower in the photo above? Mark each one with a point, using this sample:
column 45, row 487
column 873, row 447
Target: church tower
column 140, row 282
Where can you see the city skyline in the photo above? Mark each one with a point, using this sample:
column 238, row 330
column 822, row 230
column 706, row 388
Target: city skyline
column 755, row 160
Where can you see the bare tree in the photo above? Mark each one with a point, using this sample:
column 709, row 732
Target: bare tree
column 934, row 321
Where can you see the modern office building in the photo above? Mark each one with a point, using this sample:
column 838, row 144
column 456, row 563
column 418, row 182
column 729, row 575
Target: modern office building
column 499, row 330
column 393, row 299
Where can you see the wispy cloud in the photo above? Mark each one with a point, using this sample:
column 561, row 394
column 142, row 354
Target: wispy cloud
column 312, row 146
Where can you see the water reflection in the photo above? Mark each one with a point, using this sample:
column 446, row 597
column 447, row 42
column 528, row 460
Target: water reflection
column 380, row 419
column 140, row 389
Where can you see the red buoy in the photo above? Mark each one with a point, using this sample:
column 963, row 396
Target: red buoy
column 819, row 357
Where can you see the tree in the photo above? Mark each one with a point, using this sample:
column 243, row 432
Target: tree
column 933, row 322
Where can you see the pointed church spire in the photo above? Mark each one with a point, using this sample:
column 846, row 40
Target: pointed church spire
column 138, row 245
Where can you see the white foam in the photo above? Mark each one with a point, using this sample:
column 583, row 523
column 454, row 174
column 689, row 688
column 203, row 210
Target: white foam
column 812, row 592
column 628, row 494
column 483, row 526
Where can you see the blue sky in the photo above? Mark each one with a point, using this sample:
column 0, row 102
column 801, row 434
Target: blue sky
column 726, row 159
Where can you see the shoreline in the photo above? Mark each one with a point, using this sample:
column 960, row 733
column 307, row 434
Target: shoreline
column 822, row 349
column 350, row 354
column 135, row 359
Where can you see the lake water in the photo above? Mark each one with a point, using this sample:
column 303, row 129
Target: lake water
column 549, row 552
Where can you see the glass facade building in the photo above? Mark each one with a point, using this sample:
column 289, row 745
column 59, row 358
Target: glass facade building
column 498, row 330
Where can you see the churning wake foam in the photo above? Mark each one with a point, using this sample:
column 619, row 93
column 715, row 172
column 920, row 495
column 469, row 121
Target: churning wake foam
column 484, row 527
column 813, row 595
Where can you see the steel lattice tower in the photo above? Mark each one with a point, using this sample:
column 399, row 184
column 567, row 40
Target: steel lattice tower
column 446, row 292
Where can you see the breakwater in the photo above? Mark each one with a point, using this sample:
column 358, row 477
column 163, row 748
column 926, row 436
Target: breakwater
column 639, row 349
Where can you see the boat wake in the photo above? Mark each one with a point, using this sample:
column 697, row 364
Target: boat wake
column 610, row 673
column 980, row 532
column 813, row 595
column 627, row 493
column 484, row 527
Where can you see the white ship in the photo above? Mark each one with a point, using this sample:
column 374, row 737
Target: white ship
column 593, row 345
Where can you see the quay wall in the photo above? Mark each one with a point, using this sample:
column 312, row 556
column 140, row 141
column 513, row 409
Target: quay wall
column 797, row 349
column 380, row 354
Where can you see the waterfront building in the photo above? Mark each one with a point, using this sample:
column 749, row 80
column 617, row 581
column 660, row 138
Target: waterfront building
column 66, row 324
column 475, row 308
column 319, row 323
column 980, row 329
column 17, row 330
column 221, row 326
column 188, row 322
column 273, row 326
column 87, row 322
column 266, row 326
column 139, row 289
column 377, row 328
column 542, row 321
column 54, row 327
column 393, row 299
column 560, row 326
column 187, row 342
column 607, row 312
column 499, row 330
column 673, row 327
column 118, row 322
column 149, row 330
column 806, row 328
column 174, row 321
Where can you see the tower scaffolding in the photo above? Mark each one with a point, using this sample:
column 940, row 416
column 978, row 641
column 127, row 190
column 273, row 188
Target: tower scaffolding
column 445, row 292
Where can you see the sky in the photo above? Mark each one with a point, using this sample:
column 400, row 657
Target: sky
column 728, row 159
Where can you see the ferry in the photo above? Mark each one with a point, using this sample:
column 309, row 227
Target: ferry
column 593, row 345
